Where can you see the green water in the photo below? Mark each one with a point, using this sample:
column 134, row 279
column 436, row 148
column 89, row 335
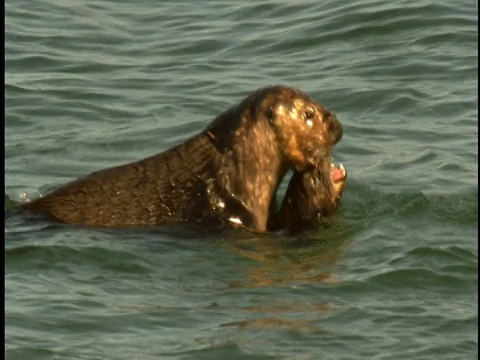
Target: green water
column 93, row 84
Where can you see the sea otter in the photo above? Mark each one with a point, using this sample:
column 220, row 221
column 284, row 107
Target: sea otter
column 226, row 174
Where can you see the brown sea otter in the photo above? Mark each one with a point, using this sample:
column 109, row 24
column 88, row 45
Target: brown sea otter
column 227, row 174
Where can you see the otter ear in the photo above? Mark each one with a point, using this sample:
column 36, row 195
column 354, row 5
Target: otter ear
column 270, row 114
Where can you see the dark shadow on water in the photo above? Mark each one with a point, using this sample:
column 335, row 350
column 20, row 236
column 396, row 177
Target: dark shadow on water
column 363, row 202
column 17, row 222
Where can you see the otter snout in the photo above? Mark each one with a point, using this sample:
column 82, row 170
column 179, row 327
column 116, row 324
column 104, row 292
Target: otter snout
column 335, row 128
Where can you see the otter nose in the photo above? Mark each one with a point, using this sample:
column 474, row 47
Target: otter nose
column 335, row 128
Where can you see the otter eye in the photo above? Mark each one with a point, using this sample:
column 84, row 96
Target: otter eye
column 269, row 114
column 308, row 117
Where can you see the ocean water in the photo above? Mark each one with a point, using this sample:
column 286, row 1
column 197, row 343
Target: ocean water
column 92, row 84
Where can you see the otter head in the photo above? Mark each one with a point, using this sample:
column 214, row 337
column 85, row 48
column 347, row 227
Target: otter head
column 256, row 142
column 305, row 130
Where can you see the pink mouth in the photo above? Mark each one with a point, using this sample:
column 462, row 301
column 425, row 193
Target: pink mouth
column 338, row 173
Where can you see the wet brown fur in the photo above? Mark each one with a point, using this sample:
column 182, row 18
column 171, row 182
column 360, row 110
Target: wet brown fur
column 311, row 198
column 229, row 171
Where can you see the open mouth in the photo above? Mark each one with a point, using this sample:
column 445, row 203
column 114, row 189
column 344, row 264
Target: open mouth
column 338, row 173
